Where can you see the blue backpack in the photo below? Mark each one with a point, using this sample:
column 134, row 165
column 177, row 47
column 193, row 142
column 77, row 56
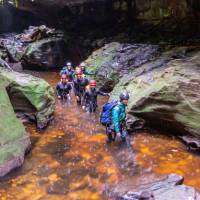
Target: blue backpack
column 105, row 117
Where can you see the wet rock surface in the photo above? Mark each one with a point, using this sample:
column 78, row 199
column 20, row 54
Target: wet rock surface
column 164, row 188
column 47, row 48
column 114, row 60
column 193, row 143
column 14, row 140
column 36, row 48
column 168, row 96
column 31, row 96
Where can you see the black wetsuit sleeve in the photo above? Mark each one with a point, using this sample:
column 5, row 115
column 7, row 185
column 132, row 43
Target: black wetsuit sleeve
column 58, row 91
column 76, row 88
column 102, row 93
column 85, row 98
column 69, row 87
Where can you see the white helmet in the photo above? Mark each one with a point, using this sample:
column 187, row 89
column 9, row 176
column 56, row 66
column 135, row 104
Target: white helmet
column 69, row 64
column 82, row 64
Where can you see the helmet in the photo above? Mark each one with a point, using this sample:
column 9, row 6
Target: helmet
column 79, row 72
column 93, row 83
column 63, row 76
column 69, row 64
column 124, row 96
column 64, row 68
column 82, row 64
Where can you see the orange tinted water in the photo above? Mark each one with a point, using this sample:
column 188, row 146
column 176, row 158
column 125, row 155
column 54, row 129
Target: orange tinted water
column 70, row 160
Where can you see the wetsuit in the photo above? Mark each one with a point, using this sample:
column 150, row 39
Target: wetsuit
column 90, row 99
column 69, row 73
column 79, row 88
column 63, row 89
column 117, row 125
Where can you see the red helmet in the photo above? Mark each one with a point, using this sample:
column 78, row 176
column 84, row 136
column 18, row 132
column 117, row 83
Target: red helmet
column 93, row 83
column 79, row 72
column 63, row 76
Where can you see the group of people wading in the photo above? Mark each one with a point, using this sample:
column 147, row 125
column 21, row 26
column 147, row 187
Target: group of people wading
column 113, row 113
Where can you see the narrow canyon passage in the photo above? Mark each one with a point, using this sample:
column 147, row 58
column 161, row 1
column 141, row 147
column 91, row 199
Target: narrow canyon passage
column 70, row 160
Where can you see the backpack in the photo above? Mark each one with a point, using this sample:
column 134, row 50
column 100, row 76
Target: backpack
column 105, row 116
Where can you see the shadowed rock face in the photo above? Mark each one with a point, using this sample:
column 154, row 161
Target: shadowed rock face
column 46, row 48
column 145, row 9
column 173, row 15
column 71, row 14
column 12, row 19
column 36, row 48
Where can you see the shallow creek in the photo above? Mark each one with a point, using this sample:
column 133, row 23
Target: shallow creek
column 70, row 159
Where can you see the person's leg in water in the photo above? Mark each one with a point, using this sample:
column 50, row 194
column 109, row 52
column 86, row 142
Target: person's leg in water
column 92, row 107
column 109, row 134
column 78, row 99
column 125, row 138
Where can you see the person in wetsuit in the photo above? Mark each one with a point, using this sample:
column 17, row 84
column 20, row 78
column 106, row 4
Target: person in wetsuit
column 118, row 116
column 69, row 71
column 63, row 88
column 90, row 97
column 80, row 83
column 83, row 67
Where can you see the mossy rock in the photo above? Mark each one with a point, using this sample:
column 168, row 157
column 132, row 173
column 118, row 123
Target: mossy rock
column 167, row 97
column 14, row 140
column 114, row 60
column 30, row 95
column 45, row 54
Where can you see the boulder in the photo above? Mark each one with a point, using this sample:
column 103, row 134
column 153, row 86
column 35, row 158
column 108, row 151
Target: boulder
column 29, row 95
column 114, row 60
column 192, row 142
column 162, row 188
column 12, row 48
column 37, row 48
column 14, row 140
column 167, row 97
column 4, row 64
column 47, row 48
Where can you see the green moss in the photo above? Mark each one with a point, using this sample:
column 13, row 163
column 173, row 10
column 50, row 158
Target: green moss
column 37, row 92
column 169, row 95
column 11, row 129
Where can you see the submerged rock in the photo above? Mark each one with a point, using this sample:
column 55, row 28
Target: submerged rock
column 29, row 95
column 114, row 60
column 59, row 187
column 167, row 97
column 14, row 140
column 163, row 188
column 192, row 142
